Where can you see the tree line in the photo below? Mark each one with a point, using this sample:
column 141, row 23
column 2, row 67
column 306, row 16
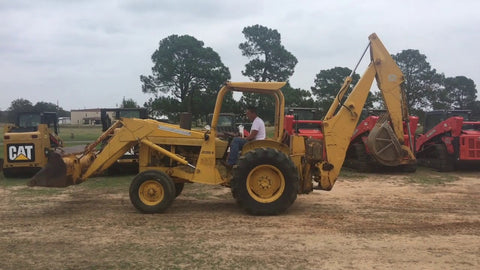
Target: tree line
column 186, row 76
column 24, row 105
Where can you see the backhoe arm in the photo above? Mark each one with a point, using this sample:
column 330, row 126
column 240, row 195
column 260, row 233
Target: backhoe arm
column 389, row 79
column 340, row 123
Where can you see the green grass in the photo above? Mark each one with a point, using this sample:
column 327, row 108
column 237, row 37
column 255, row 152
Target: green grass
column 71, row 134
column 101, row 182
column 425, row 176
column 12, row 182
column 19, row 185
column 112, row 183
column 29, row 192
column 351, row 173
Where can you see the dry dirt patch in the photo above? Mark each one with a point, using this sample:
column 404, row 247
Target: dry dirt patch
column 366, row 222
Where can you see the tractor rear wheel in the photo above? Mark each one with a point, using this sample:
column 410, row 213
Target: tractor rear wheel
column 265, row 182
column 152, row 191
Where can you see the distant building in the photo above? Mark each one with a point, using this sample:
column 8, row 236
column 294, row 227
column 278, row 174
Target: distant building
column 64, row 120
column 85, row 117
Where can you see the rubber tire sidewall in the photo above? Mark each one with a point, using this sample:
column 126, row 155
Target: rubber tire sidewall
column 179, row 188
column 168, row 189
column 264, row 156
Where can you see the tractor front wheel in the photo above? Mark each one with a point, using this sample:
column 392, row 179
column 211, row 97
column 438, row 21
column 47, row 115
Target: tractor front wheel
column 152, row 191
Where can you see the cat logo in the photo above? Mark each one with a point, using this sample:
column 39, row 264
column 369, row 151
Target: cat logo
column 24, row 152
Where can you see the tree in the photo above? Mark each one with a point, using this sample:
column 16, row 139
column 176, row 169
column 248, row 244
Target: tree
column 422, row 83
column 270, row 61
column 296, row 97
column 329, row 81
column 461, row 92
column 43, row 106
column 164, row 107
column 129, row 103
column 204, row 103
column 24, row 105
column 19, row 105
column 183, row 68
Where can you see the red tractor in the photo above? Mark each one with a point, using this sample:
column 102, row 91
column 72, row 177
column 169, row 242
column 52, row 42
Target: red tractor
column 359, row 154
column 304, row 122
column 449, row 141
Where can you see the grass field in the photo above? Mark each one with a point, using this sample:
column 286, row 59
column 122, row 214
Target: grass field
column 79, row 133
column 368, row 221
column 421, row 220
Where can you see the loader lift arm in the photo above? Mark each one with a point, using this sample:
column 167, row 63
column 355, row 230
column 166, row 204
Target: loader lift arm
column 339, row 123
column 122, row 136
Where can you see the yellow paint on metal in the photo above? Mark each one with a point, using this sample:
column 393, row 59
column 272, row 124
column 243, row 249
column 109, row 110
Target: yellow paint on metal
column 151, row 192
column 339, row 124
column 265, row 183
column 165, row 152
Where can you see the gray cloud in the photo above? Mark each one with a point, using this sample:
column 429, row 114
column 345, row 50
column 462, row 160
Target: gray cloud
column 91, row 53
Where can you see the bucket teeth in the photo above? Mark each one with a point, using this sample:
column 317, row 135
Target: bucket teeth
column 54, row 174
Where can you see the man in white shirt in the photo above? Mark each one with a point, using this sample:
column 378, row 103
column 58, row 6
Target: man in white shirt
column 257, row 132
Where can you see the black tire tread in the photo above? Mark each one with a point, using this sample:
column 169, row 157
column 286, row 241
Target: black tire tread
column 164, row 180
column 260, row 156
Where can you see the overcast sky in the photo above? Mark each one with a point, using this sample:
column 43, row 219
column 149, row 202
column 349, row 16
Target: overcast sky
column 90, row 53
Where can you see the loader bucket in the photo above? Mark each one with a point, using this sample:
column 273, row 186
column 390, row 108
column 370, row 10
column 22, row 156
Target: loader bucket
column 384, row 145
column 54, row 174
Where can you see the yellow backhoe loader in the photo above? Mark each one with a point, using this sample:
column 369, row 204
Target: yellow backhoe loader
column 269, row 174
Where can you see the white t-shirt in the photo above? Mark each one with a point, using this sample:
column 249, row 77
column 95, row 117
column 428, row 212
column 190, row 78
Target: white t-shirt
column 259, row 126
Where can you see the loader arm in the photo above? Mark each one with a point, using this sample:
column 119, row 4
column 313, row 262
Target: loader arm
column 119, row 138
column 339, row 123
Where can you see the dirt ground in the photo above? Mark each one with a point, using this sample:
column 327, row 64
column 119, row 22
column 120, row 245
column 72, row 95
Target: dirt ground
column 367, row 221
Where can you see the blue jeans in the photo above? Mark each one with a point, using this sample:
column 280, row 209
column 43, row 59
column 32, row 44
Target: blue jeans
column 235, row 147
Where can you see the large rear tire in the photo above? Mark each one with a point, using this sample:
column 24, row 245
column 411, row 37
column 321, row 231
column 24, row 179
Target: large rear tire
column 152, row 192
column 265, row 182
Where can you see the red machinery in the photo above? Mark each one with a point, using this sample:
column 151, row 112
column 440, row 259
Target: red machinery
column 449, row 141
column 359, row 155
column 304, row 122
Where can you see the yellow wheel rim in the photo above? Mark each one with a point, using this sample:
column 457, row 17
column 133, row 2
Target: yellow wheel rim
column 151, row 192
column 265, row 183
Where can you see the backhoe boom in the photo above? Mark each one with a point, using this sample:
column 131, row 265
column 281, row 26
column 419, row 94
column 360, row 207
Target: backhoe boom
column 339, row 124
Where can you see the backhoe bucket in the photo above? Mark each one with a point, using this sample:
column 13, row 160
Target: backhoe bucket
column 54, row 174
column 384, row 145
